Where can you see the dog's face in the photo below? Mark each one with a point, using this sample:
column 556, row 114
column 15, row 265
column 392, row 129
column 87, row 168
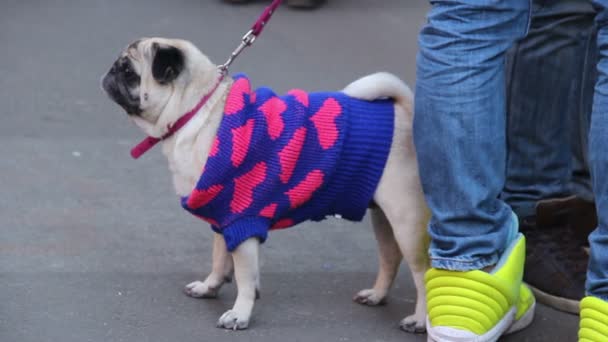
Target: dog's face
column 150, row 77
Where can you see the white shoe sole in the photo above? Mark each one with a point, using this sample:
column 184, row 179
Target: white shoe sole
column 505, row 326
column 558, row 303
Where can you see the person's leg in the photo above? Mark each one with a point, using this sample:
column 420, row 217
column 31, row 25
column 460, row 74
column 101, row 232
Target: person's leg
column 459, row 128
column 594, row 308
column 580, row 184
column 597, row 276
column 545, row 75
column 583, row 217
column 460, row 137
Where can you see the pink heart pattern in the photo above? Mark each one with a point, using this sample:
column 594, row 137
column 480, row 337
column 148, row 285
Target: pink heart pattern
column 269, row 210
column 272, row 110
column 199, row 197
column 235, row 102
column 215, row 147
column 325, row 122
column 302, row 192
column 289, row 155
column 241, row 138
column 282, row 224
column 300, row 95
column 244, row 186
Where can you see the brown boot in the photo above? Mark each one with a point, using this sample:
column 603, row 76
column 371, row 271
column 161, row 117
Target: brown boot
column 574, row 211
column 556, row 261
column 556, row 265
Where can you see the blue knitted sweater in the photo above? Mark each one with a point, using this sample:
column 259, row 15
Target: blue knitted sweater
column 279, row 160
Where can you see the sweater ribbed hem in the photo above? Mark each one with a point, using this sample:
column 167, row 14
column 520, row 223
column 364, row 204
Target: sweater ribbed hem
column 243, row 229
column 363, row 158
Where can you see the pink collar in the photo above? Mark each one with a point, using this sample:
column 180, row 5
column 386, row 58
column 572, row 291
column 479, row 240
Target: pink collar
column 149, row 142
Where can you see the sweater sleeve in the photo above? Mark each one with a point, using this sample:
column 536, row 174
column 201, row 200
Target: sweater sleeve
column 243, row 229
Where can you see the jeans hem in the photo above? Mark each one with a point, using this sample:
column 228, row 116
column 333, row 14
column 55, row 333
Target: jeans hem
column 463, row 264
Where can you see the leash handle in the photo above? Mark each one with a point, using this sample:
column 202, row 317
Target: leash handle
column 251, row 35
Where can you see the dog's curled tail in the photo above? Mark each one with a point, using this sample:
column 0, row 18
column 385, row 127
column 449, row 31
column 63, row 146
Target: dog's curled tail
column 381, row 85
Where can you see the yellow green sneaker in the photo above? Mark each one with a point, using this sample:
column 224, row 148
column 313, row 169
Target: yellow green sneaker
column 594, row 320
column 480, row 306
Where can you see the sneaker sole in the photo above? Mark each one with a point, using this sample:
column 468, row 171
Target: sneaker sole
column 506, row 325
column 558, row 303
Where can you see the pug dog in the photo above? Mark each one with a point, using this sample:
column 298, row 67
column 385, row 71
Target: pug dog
column 157, row 80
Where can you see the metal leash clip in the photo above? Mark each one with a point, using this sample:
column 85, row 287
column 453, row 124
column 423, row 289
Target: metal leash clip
column 251, row 36
column 246, row 41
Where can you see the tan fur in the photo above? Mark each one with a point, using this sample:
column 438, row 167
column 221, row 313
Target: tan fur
column 399, row 222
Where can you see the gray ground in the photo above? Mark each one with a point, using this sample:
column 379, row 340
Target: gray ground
column 94, row 246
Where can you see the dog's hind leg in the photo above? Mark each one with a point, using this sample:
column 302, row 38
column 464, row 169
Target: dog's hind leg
column 221, row 272
column 389, row 259
column 400, row 197
column 409, row 231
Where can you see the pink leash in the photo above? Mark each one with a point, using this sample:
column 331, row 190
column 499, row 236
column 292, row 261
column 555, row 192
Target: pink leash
column 246, row 41
column 149, row 142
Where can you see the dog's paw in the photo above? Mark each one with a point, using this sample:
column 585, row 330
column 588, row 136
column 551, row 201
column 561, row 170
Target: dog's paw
column 370, row 297
column 233, row 320
column 201, row 289
column 413, row 324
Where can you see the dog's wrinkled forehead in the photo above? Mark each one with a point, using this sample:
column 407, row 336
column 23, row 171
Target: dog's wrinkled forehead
column 138, row 52
column 132, row 53
column 134, row 45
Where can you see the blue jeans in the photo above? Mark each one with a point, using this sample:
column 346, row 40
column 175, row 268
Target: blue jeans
column 460, row 133
column 550, row 77
column 460, row 127
column 597, row 273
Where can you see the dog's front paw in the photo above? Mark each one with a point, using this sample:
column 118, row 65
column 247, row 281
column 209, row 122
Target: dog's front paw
column 233, row 320
column 413, row 324
column 370, row 297
column 201, row 289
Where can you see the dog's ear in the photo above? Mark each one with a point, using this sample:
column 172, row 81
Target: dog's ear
column 167, row 64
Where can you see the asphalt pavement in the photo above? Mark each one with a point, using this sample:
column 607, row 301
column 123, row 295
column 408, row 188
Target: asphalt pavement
column 94, row 245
